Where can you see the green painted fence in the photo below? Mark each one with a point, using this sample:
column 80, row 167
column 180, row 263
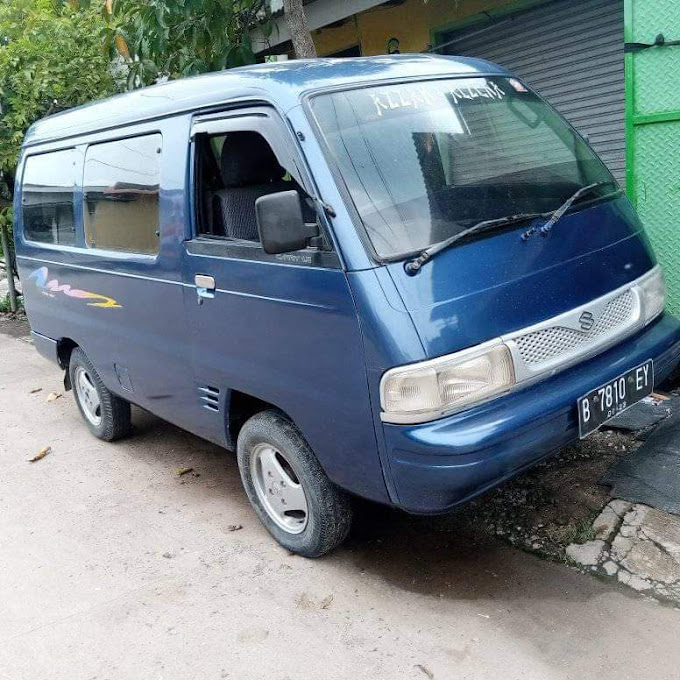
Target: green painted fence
column 653, row 129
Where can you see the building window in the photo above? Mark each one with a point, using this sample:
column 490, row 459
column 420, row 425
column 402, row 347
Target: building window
column 121, row 183
column 47, row 198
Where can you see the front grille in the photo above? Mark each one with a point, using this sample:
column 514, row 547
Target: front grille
column 550, row 343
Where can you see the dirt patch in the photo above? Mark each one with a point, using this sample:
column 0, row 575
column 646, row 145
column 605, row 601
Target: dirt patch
column 14, row 325
column 555, row 503
column 559, row 511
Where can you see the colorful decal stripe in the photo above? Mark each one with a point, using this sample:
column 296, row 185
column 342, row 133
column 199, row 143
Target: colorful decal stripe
column 47, row 285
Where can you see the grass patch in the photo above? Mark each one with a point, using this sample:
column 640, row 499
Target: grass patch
column 581, row 532
column 5, row 306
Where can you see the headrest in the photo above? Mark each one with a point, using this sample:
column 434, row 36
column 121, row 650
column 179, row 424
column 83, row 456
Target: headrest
column 248, row 159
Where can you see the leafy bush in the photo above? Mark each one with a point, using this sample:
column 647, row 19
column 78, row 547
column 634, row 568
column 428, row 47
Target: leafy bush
column 52, row 57
column 175, row 38
column 5, row 306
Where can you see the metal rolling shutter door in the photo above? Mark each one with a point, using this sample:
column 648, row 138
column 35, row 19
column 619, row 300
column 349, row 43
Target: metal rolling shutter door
column 571, row 52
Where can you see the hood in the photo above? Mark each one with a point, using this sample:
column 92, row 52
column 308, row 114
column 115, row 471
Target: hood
column 499, row 283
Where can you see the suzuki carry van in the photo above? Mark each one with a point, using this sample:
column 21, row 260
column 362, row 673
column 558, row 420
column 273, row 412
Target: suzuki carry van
column 402, row 278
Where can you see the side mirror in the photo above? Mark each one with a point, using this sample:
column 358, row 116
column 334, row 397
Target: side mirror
column 280, row 223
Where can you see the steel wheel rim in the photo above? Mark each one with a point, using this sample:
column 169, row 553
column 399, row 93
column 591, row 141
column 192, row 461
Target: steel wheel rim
column 278, row 489
column 88, row 397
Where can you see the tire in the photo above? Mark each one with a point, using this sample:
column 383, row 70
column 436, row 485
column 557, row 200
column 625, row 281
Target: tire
column 111, row 420
column 268, row 439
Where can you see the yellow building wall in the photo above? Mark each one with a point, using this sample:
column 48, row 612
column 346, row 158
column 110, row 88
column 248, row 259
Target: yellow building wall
column 411, row 23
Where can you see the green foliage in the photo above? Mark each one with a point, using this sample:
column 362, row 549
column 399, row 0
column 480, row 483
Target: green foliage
column 175, row 38
column 51, row 58
column 581, row 532
column 6, row 307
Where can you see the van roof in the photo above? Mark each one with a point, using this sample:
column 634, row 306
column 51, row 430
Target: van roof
column 281, row 83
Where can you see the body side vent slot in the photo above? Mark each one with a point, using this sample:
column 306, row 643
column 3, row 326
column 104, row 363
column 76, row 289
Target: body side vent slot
column 209, row 397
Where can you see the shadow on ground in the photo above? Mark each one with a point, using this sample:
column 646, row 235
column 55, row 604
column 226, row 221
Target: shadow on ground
column 467, row 554
column 449, row 556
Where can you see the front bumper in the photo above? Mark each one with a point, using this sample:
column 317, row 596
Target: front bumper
column 438, row 465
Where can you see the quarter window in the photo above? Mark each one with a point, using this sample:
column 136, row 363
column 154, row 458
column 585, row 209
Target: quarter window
column 121, row 183
column 47, row 198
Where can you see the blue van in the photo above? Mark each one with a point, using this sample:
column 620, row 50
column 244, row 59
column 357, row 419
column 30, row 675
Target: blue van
column 403, row 278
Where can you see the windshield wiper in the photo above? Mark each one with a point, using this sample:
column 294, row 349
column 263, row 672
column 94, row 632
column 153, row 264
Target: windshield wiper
column 559, row 213
column 414, row 265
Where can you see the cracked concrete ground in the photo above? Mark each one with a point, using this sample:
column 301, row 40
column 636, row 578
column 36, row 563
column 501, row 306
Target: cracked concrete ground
column 114, row 567
column 637, row 544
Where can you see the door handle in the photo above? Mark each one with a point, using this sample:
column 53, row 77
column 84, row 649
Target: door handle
column 205, row 287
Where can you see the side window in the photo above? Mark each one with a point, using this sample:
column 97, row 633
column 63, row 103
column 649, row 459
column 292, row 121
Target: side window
column 121, row 183
column 232, row 171
column 47, row 198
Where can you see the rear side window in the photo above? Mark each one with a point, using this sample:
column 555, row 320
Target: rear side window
column 47, row 198
column 120, row 183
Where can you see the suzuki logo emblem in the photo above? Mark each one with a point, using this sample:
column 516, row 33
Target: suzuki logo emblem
column 586, row 321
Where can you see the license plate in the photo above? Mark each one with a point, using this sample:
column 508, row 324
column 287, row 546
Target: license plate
column 614, row 397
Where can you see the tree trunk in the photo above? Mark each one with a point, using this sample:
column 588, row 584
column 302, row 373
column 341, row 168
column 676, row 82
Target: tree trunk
column 11, row 292
column 299, row 31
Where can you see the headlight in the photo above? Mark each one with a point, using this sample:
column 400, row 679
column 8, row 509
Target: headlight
column 653, row 294
column 431, row 389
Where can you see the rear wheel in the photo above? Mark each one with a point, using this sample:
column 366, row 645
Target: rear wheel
column 106, row 415
column 293, row 497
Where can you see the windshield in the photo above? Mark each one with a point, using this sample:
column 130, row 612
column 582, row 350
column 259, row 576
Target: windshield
column 424, row 161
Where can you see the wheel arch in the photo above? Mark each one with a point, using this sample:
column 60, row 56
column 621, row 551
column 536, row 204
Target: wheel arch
column 65, row 347
column 239, row 407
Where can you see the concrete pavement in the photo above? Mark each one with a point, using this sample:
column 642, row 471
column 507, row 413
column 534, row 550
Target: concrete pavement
column 113, row 567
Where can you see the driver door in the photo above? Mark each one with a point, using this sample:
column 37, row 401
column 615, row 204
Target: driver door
column 280, row 328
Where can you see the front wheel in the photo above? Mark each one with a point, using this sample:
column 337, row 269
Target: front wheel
column 293, row 497
column 106, row 415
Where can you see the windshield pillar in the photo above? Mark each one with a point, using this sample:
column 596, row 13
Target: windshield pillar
column 348, row 241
